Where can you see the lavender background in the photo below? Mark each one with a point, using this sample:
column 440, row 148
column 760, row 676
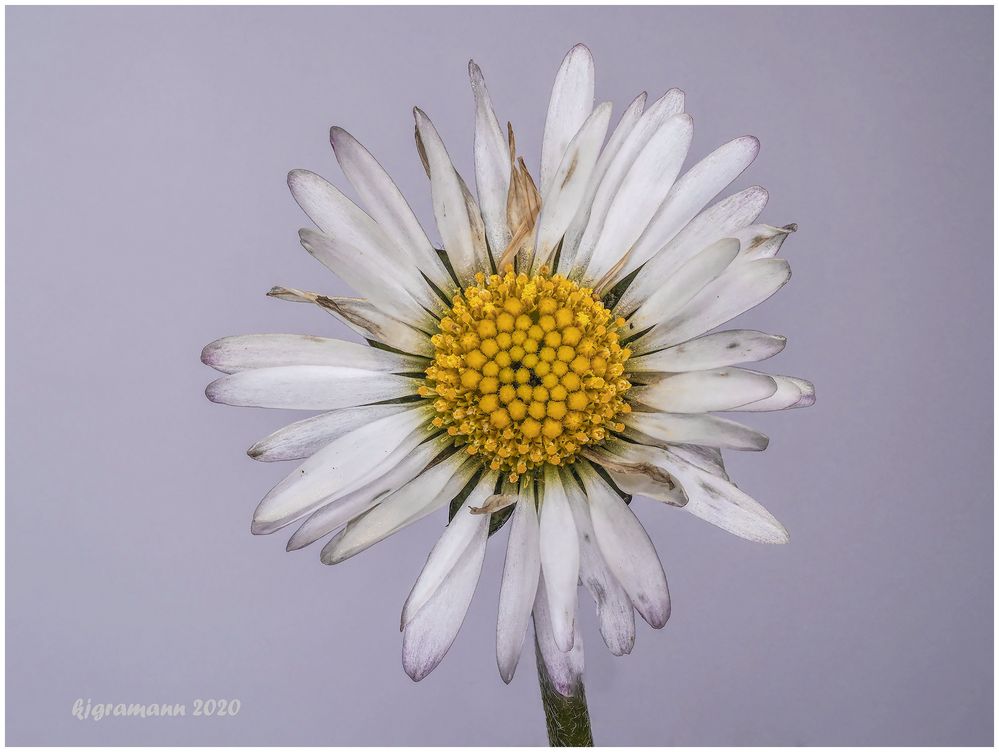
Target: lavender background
column 147, row 214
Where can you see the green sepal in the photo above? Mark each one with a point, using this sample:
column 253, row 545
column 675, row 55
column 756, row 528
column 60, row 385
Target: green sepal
column 499, row 519
column 442, row 255
column 458, row 500
column 613, row 295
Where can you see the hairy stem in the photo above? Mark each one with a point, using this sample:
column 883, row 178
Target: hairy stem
column 568, row 718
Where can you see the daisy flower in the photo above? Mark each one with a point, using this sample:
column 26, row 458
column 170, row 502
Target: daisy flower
column 552, row 355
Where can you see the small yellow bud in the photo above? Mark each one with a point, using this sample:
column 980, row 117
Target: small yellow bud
column 552, row 429
column 517, row 410
column 556, row 410
column 531, row 429
column 470, row 378
column 563, row 317
column 475, row 359
column 505, row 321
column 500, row 419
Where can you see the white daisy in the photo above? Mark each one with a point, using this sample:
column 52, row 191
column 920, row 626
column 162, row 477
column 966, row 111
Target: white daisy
column 550, row 360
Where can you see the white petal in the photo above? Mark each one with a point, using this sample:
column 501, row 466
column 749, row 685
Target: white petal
column 677, row 290
column 520, row 583
column 807, row 389
column 425, row 494
column 582, row 241
column 365, row 318
column 719, row 502
column 643, row 480
column 639, row 484
column 454, row 223
column 427, row 638
column 705, row 391
column 356, row 237
column 713, row 498
column 327, row 207
column 559, row 558
column 624, row 127
column 373, row 323
column 336, row 514
column 641, row 194
column 689, row 195
column 463, row 529
column 388, row 207
column 762, row 241
column 739, row 288
column 308, row 387
column 565, row 669
column 570, row 104
column 566, row 189
column 342, row 466
column 304, row 437
column 365, row 272
column 242, row 352
column 627, row 549
column 722, row 220
column 716, row 350
column 475, row 222
column 789, row 394
column 708, row 459
column 614, row 609
column 492, row 165
column 708, row 430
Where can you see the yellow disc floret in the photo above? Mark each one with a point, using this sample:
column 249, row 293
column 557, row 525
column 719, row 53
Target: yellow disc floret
column 527, row 371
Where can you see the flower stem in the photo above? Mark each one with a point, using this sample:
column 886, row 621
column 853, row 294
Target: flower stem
column 568, row 718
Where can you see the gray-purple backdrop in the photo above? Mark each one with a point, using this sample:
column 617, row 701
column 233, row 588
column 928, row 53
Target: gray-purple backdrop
column 147, row 214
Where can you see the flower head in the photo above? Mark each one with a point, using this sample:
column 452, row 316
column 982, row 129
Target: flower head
column 527, row 370
column 552, row 358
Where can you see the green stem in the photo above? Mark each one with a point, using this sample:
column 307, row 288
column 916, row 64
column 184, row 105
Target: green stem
column 568, row 718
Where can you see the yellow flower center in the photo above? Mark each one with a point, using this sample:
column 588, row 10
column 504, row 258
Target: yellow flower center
column 527, row 370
